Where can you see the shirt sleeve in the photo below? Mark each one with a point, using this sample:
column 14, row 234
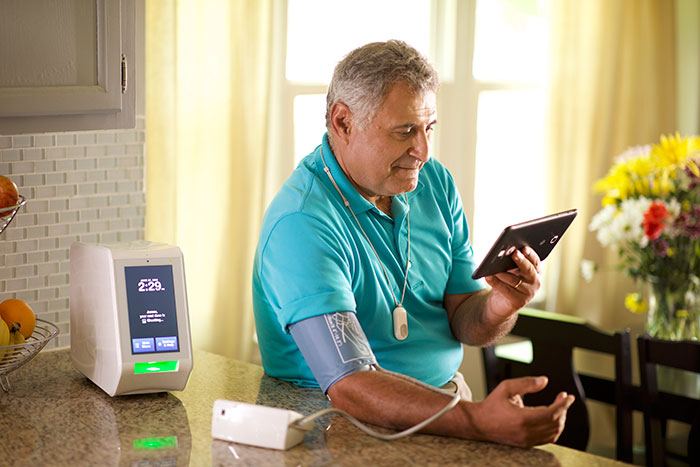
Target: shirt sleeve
column 463, row 262
column 304, row 270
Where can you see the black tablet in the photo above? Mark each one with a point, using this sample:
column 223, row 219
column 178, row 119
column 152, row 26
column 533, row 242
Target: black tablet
column 541, row 234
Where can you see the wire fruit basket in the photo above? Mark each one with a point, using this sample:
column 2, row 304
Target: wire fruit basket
column 14, row 356
column 7, row 218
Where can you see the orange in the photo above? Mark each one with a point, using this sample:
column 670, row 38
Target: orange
column 18, row 315
column 9, row 196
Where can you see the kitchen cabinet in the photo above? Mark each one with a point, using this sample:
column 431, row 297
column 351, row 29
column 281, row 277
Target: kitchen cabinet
column 66, row 65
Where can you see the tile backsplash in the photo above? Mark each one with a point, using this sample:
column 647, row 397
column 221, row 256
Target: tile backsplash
column 82, row 186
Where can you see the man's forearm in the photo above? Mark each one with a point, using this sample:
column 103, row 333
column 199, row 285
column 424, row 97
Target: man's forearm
column 471, row 324
column 398, row 402
column 395, row 401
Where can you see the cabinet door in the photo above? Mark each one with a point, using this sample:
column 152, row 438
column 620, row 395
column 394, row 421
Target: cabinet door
column 64, row 65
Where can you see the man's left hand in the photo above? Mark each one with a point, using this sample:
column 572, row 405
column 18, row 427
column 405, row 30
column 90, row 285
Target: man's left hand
column 513, row 290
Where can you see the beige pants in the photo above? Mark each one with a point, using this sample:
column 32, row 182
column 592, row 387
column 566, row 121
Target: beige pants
column 458, row 385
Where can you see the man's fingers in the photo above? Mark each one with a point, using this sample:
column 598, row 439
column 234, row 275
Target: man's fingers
column 533, row 257
column 509, row 284
column 563, row 400
column 549, row 421
column 503, row 283
column 561, row 404
column 527, row 268
column 525, row 385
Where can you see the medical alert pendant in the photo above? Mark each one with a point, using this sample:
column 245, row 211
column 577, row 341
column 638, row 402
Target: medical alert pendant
column 400, row 323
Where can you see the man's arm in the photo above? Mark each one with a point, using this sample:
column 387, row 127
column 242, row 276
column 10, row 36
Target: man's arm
column 395, row 401
column 337, row 352
column 482, row 317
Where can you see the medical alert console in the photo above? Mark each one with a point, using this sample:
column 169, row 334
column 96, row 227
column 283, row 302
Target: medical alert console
column 129, row 326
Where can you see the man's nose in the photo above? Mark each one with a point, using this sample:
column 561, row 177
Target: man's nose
column 420, row 147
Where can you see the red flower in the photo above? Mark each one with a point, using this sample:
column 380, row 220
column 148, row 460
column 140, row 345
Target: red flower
column 654, row 220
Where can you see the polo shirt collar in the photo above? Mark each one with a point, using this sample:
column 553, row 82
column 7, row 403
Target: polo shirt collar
column 358, row 203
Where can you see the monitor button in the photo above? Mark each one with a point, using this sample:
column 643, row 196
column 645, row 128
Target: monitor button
column 166, row 344
column 143, row 345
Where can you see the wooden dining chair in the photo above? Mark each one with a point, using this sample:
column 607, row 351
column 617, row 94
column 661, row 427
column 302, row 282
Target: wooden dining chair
column 554, row 336
column 660, row 406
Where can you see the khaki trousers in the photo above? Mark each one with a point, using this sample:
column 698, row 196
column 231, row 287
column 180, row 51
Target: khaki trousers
column 458, row 385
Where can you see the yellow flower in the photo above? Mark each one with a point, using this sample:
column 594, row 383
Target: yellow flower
column 635, row 303
column 694, row 168
column 682, row 313
column 674, row 151
column 653, row 173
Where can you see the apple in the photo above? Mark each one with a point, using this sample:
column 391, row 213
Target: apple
column 9, row 196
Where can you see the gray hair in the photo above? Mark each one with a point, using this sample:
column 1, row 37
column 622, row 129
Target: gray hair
column 365, row 76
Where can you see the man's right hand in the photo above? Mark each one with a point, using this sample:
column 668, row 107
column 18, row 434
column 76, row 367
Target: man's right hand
column 502, row 417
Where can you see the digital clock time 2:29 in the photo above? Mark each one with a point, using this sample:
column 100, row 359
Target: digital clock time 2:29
column 150, row 285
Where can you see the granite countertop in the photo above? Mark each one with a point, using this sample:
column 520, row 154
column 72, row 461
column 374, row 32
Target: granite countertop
column 53, row 415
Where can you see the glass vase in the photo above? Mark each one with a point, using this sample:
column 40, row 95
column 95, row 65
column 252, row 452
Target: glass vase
column 674, row 314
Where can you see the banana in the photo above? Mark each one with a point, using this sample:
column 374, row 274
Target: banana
column 4, row 338
column 16, row 337
column 9, row 336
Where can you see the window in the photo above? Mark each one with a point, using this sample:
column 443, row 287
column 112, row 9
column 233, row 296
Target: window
column 316, row 40
column 509, row 70
column 320, row 32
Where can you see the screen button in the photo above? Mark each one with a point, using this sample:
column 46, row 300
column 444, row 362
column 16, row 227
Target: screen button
column 166, row 344
column 142, row 345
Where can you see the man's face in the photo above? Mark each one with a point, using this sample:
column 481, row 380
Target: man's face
column 384, row 157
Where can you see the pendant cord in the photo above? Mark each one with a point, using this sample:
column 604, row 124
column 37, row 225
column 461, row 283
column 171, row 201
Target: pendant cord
column 408, row 248
column 408, row 231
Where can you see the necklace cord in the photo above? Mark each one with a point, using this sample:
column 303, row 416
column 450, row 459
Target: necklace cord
column 408, row 231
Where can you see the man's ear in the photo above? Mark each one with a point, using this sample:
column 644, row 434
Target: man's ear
column 341, row 122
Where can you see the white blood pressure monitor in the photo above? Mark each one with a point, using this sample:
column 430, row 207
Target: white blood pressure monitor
column 129, row 325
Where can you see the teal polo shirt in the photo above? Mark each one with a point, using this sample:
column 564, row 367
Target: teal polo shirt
column 312, row 259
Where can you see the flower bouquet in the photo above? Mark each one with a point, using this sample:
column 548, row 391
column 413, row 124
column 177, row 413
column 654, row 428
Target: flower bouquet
column 651, row 214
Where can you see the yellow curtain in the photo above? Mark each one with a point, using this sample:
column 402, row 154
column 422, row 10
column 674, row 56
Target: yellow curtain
column 613, row 87
column 208, row 69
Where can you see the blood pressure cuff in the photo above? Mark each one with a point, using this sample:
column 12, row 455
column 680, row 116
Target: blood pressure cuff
column 333, row 345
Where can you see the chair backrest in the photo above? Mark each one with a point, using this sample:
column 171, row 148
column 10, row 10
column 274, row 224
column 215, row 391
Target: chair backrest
column 554, row 337
column 661, row 406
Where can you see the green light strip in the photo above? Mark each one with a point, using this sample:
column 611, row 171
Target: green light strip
column 164, row 442
column 141, row 368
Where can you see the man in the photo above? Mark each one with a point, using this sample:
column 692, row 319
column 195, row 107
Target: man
column 362, row 278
